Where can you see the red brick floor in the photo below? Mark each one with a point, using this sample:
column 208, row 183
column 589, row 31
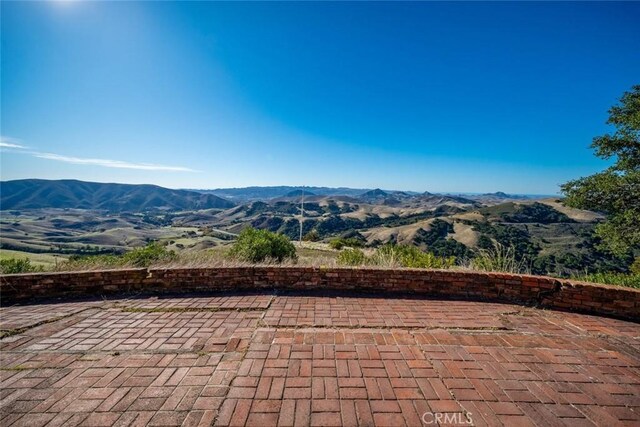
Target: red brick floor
column 271, row 360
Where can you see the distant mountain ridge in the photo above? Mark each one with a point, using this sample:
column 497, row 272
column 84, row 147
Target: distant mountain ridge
column 244, row 194
column 374, row 194
column 74, row 194
column 253, row 193
column 503, row 195
column 298, row 193
column 38, row 193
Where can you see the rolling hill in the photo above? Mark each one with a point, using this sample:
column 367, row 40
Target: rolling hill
column 73, row 194
column 68, row 217
column 247, row 194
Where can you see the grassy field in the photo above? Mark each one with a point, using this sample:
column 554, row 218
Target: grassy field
column 50, row 231
column 48, row 261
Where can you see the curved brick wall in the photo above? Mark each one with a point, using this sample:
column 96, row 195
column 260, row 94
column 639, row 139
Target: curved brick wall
column 532, row 290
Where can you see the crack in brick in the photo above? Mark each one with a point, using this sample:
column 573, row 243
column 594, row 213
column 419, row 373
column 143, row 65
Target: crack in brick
column 126, row 309
column 387, row 328
column 5, row 333
column 189, row 309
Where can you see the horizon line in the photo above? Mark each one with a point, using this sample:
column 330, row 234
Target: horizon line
column 297, row 187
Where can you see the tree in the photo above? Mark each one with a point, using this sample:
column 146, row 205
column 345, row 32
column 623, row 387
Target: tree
column 616, row 190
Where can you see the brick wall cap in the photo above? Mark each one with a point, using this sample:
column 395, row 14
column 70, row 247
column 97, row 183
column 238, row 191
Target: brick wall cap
column 579, row 284
column 84, row 272
column 266, row 268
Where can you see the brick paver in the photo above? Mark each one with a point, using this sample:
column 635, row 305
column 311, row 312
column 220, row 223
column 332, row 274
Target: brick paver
column 271, row 360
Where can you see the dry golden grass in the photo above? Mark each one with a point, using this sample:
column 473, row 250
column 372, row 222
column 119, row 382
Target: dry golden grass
column 403, row 233
column 465, row 234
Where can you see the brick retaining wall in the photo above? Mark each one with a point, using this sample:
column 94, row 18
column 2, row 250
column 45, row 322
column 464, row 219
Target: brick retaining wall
column 530, row 290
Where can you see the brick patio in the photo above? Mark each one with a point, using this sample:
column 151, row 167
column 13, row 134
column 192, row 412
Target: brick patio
column 266, row 359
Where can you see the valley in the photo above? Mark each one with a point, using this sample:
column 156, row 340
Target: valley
column 550, row 237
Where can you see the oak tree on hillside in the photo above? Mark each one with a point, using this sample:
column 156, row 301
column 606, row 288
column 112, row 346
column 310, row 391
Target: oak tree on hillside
column 616, row 190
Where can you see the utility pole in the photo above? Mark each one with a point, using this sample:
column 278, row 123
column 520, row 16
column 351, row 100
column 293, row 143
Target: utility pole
column 301, row 215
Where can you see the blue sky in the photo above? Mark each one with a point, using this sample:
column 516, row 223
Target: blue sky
column 454, row 97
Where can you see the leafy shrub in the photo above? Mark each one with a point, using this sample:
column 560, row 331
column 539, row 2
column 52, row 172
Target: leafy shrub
column 635, row 266
column 262, row 245
column 499, row 258
column 341, row 242
column 352, row 257
column 311, row 236
column 144, row 257
column 336, row 243
column 391, row 255
column 17, row 265
column 611, row 278
column 90, row 262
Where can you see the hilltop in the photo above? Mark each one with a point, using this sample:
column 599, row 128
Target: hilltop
column 74, row 194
